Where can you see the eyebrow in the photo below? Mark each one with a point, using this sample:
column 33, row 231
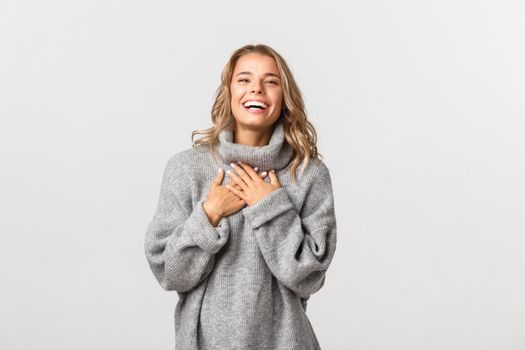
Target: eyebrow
column 265, row 74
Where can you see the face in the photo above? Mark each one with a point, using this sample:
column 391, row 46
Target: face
column 256, row 78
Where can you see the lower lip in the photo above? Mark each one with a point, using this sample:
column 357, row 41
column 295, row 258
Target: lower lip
column 256, row 110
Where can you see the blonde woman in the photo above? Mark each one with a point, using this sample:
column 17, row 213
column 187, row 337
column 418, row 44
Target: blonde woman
column 245, row 227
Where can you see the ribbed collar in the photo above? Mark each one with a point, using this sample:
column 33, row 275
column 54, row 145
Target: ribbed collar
column 277, row 154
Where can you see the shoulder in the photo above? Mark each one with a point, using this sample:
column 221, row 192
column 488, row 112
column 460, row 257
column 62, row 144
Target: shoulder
column 178, row 175
column 315, row 172
column 321, row 168
column 317, row 181
column 313, row 183
column 179, row 167
column 317, row 205
column 182, row 157
column 186, row 172
column 184, row 161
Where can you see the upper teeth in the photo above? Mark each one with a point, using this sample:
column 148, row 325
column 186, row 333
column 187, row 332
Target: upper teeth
column 255, row 103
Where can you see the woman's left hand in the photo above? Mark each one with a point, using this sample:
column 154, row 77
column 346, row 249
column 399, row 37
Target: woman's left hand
column 253, row 187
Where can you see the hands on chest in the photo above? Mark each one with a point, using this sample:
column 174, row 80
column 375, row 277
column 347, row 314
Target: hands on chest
column 249, row 185
column 246, row 187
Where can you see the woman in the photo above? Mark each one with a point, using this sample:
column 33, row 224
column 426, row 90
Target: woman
column 244, row 257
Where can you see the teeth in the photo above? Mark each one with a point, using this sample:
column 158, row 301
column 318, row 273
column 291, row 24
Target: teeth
column 255, row 103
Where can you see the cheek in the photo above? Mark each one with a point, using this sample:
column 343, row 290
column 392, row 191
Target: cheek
column 236, row 92
column 277, row 97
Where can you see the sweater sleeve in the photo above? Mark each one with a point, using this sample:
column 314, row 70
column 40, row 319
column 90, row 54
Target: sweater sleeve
column 180, row 242
column 297, row 248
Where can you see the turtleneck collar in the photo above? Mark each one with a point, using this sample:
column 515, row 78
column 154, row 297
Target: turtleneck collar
column 277, row 154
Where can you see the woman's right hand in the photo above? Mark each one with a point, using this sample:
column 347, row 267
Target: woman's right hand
column 222, row 202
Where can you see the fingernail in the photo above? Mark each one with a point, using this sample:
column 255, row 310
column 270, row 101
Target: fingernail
column 219, row 171
column 233, row 165
column 228, row 171
column 263, row 173
column 238, row 162
column 273, row 170
column 255, row 168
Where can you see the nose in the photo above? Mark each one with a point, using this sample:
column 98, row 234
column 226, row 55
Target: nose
column 256, row 86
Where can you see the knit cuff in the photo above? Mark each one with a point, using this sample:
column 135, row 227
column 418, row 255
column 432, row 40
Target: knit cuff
column 267, row 208
column 203, row 233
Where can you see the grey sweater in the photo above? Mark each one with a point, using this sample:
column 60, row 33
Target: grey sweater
column 245, row 283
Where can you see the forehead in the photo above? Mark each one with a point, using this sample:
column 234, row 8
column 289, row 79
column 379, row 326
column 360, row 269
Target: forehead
column 255, row 62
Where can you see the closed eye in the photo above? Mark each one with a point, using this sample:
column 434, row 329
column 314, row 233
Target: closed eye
column 269, row 81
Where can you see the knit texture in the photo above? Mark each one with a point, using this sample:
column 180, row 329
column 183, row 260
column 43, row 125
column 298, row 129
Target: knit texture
column 245, row 283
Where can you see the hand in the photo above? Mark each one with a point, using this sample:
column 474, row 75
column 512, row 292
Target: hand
column 253, row 188
column 232, row 182
column 222, row 202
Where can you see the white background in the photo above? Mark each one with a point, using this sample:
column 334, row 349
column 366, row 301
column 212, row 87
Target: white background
column 419, row 109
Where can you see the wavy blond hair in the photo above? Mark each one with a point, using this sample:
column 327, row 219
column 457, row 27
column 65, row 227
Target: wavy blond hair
column 298, row 131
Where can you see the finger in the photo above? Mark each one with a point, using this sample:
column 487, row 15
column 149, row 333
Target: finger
column 249, row 170
column 261, row 174
column 218, row 178
column 242, row 173
column 232, row 183
column 273, row 178
column 237, row 179
column 236, row 192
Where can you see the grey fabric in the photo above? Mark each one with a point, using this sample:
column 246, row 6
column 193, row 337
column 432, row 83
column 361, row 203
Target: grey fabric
column 245, row 283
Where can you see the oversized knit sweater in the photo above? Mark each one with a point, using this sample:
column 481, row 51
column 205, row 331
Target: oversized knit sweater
column 243, row 284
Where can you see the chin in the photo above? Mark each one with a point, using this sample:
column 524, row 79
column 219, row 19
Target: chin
column 261, row 121
column 245, row 117
column 251, row 122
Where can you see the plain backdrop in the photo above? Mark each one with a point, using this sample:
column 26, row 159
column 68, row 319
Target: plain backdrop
column 419, row 109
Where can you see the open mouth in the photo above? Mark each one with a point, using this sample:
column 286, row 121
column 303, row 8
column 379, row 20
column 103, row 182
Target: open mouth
column 255, row 106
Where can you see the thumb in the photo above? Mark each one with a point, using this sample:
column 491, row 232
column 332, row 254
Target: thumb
column 273, row 177
column 218, row 178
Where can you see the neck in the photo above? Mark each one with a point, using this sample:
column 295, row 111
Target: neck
column 251, row 137
column 274, row 154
